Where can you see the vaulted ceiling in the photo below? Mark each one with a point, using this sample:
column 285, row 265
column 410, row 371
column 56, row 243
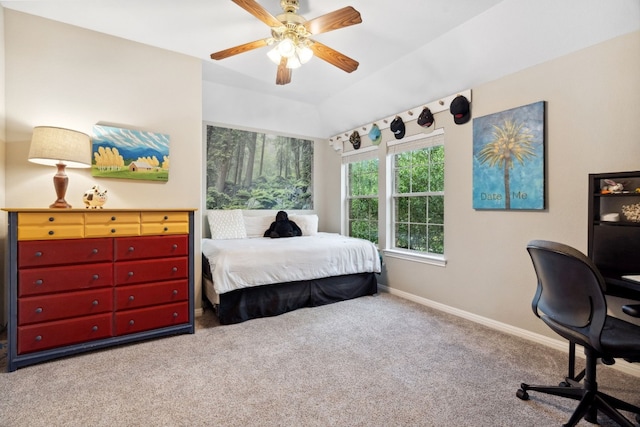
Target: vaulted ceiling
column 410, row 52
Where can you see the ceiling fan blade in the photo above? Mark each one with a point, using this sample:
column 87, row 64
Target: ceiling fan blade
column 259, row 12
column 239, row 49
column 334, row 57
column 284, row 74
column 334, row 20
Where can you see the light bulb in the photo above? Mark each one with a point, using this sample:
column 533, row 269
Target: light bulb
column 286, row 48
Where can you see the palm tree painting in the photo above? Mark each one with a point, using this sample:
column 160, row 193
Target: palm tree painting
column 508, row 159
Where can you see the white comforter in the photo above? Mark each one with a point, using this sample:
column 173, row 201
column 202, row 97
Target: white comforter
column 241, row 263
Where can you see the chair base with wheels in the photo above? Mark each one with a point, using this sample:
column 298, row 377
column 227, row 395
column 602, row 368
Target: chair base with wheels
column 591, row 399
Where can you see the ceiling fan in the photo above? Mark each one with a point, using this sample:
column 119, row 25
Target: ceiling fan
column 291, row 37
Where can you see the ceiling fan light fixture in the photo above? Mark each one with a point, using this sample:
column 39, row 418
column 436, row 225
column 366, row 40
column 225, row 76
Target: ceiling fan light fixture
column 291, row 37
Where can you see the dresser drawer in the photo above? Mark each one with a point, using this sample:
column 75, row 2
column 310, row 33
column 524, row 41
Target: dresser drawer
column 136, row 296
column 164, row 223
column 110, row 224
column 36, row 281
column 150, row 247
column 49, row 226
column 64, row 305
column 73, row 251
column 47, row 335
column 143, row 319
column 164, row 217
column 168, row 228
column 153, row 270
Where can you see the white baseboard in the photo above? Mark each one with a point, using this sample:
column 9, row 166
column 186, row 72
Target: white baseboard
column 620, row 365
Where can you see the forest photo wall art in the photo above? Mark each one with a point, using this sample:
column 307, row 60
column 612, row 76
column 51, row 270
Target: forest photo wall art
column 127, row 153
column 253, row 170
column 509, row 159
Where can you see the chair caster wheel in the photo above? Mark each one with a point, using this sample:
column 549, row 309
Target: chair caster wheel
column 564, row 384
column 522, row 394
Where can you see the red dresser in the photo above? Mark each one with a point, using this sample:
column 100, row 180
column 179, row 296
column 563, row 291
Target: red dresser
column 81, row 280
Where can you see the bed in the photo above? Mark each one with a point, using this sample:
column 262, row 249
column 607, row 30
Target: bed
column 247, row 276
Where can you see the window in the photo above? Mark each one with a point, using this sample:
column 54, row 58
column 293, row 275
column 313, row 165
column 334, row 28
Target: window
column 362, row 194
column 417, row 168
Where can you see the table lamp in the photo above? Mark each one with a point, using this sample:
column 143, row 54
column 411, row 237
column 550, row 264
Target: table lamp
column 62, row 148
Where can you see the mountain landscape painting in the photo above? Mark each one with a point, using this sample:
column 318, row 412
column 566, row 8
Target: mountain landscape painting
column 130, row 154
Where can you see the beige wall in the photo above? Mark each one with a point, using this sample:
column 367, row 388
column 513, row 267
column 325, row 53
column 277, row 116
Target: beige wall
column 65, row 76
column 592, row 126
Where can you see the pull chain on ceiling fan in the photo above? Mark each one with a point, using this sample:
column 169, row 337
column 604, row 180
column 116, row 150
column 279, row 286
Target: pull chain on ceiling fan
column 291, row 37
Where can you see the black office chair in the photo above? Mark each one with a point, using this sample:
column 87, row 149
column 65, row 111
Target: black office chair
column 570, row 299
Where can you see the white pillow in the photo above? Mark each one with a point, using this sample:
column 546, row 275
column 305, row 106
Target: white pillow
column 307, row 223
column 255, row 226
column 226, row 224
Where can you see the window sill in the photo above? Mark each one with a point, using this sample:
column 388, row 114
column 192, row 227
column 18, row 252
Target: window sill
column 438, row 260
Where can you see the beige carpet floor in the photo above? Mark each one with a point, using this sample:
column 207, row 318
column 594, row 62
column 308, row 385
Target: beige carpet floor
column 372, row 361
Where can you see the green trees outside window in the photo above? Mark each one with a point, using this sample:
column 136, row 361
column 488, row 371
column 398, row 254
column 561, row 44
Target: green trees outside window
column 418, row 182
column 362, row 199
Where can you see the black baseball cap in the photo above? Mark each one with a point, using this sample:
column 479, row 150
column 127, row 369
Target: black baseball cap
column 460, row 109
column 397, row 127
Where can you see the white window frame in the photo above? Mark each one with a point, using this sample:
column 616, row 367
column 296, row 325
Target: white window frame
column 354, row 156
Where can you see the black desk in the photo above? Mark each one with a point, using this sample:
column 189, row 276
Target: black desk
column 619, row 287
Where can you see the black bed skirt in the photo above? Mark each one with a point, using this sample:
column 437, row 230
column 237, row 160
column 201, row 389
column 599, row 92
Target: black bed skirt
column 272, row 300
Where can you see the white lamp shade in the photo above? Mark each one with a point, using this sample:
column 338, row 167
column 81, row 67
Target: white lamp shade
column 305, row 54
column 52, row 145
column 274, row 55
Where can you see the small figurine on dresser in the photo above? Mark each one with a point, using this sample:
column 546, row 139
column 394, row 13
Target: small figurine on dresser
column 95, row 198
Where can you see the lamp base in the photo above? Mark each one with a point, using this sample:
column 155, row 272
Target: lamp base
column 60, row 204
column 60, row 182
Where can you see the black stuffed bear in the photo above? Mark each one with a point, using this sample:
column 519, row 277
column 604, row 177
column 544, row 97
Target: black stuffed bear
column 283, row 227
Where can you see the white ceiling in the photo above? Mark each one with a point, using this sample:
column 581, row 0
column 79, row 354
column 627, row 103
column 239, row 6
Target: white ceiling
column 410, row 52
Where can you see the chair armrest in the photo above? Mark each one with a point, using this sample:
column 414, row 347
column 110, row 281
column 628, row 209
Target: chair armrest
column 631, row 309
